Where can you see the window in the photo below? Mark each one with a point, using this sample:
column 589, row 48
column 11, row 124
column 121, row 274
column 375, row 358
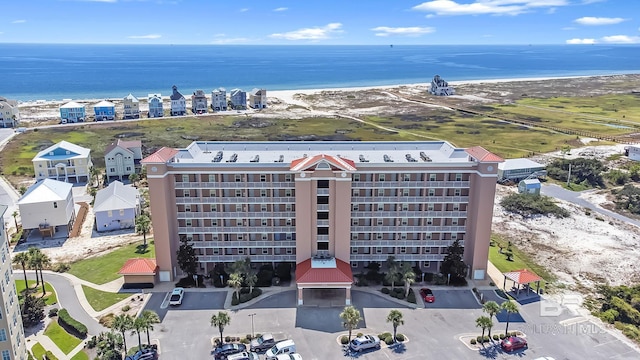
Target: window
column 354, row 250
column 238, row 178
column 432, row 192
column 121, row 212
column 426, row 264
column 354, row 222
column 456, row 192
column 112, row 170
column 380, row 207
column 354, row 264
column 288, row 222
column 404, row 222
column 238, row 193
column 405, row 192
column 214, row 222
column 55, row 205
column 212, row 178
column 432, row 177
column 212, row 193
column 265, row 251
column 458, row 177
column 403, row 236
column 428, row 236
column 215, row 238
column 263, row 207
column 379, row 222
column 454, row 236
column 323, row 215
column 185, row 178
column 186, row 193
column 263, row 177
column 380, row 177
column 429, row 221
column 456, row 207
column 323, row 200
column 128, row 168
column 379, row 236
column 238, row 207
column 289, row 236
column 289, row 251
column 288, row 192
column 189, row 237
column 429, row 207
column 3, row 335
column 323, row 245
column 110, row 213
column 238, row 222
column 6, row 355
column 405, row 207
column 354, row 236
column 288, row 207
column 355, row 192
column 323, row 184
column 355, row 207
column 188, row 222
column 356, row 177
column 265, row 237
column 406, row 177
column 287, row 177
column 454, row 222
column 427, row 250
column 323, row 230
column 264, row 222
column 187, row 208
column 6, row 277
column 378, row 250
column 240, row 250
column 380, row 192
column 403, row 250
column 240, row 238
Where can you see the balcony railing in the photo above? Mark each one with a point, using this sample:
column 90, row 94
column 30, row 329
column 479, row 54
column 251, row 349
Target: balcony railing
column 409, row 184
column 236, row 229
column 244, row 244
column 235, row 200
column 407, row 214
column 400, row 228
column 399, row 257
column 235, row 215
column 408, row 199
column 236, row 185
column 254, row 258
column 406, row 243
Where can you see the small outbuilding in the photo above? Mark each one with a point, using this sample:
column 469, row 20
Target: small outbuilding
column 520, row 169
column 139, row 273
column 529, row 186
column 116, row 207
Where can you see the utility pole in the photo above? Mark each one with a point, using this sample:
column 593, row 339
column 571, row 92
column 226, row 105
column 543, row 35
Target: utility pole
column 569, row 176
column 252, row 315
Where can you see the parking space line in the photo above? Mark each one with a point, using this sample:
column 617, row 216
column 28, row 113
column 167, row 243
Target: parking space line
column 165, row 302
column 573, row 321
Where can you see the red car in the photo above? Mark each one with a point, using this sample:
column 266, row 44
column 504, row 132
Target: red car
column 513, row 343
column 427, row 295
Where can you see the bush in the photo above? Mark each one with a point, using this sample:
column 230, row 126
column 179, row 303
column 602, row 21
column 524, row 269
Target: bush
column 388, row 340
column 473, row 341
column 283, row 271
column 91, row 343
column 61, row 267
column 50, row 355
column 256, row 292
column 359, row 334
column 53, row 312
column 227, row 338
column 245, row 297
column 400, row 295
column 428, row 277
column 496, row 337
column 484, row 339
column 398, row 290
column 384, row 335
column 385, row 290
column 400, row 337
column 126, row 308
column 234, row 299
column 344, row 340
column 106, row 320
column 412, row 297
column 265, row 276
column 532, row 204
column 245, row 341
column 71, row 325
column 502, row 337
column 609, row 316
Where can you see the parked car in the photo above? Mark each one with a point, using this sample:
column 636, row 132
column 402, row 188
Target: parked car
column 293, row 356
column 243, row 356
column 365, row 342
column 282, row 347
column 144, row 354
column 513, row 343
column 427, row 295
column 176, row 296
column 262, row 343
column 222, row 352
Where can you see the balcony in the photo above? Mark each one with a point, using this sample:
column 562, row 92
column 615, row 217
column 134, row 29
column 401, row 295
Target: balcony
column 399, row 257
column 235, row 200
column 244, row 244
column 400, row 229
column 235, row 185
column 254, row 258
column 409, row 184
column 236, row 229
column 408, row 199
column 397, row 214
column 323, row 223
column 235, row 215
column 323, row 192
column 406, row 243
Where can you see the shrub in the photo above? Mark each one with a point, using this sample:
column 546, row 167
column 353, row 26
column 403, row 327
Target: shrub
column 412, row 297
column 473, row 341
column 283, row 271
column 107, row 320
column 91, row 343
column 245, row 297
column 400, row 295
column 496, row 337
column 256, row 292
column 385, row 290
column 227, row 338
column 344, row 340
column 428, row 277
column 384, row 335
column 359, row 334
column 245, row 341
column 398, row 290
column 400, row 337
column 50, row 355
column 53, row 312
column 234, row 299
column 388, row 340
column 532, row 204
column 61, row 267
column 71, row 325
column 484, row 339
column 126, row 308
column 609, row 316
column 502, row 337
column 265, row 276
column 491, row 283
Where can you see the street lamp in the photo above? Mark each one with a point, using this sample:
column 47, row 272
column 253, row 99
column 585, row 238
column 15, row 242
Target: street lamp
column 252, row 315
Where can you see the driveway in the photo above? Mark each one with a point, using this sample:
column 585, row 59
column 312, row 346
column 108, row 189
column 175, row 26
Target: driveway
column 453, row 299
column 192, row 300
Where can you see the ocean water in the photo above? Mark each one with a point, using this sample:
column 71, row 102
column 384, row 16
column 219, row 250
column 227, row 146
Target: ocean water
column 55, row 72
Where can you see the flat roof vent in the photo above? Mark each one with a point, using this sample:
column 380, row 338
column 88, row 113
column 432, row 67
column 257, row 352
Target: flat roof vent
column 410, row 158
column 387, row 158
column 362, row 159
column 280, row 159
column 255, row 159
column 424, row 157
column 233, row 158
column 218, row 157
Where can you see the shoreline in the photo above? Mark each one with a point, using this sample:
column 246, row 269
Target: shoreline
column 288, row 94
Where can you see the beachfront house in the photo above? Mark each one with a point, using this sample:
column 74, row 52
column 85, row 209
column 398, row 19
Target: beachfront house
column 131, row 107
column 258, row 98
column 155, row 106
column 72, row 112
column 9, row 113
column 116, row 207
column 199, row 102
column 122, row 159
column 519, row 169
column 178, row 103
column 440, row 87
column 63, row 161
column 48, row 207
column 219, row 99
column 238, row 99
column 104, row 110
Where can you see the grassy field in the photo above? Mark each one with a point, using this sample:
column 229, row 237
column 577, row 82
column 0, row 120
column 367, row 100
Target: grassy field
column 520, row 260
column 103, row 269
column 38, row 351
column 65, row 341
column 100, row 300
column 48, row 300
column 80, row 356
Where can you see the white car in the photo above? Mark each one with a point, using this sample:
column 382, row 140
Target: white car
column 365, row 342
column 176, row 296
column 293, row 356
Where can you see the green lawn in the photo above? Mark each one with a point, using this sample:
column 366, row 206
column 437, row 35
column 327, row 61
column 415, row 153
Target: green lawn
column 65, row 341
column 80, row 356
column 103, row 269
column 49, row 300
column 38, row 351
column 101, row 300
column 520, row 260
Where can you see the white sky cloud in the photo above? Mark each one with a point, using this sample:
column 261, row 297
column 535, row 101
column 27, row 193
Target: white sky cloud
column 148, row 36
column 244, row 9
column 226, row 41
column 402, row 31
column 621, row 39
column 492, row 7
column 281, row 9
column 568, row 28
column 315, row 33
column 595, row 21
column 581, row 41
column 19, row 21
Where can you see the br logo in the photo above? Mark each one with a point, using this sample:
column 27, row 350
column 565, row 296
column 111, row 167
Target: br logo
column 553, row 308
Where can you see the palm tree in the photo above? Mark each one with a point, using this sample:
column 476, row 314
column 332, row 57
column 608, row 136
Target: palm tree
column 35, row 261
column 143, row 224
column 95, row 173
column 511, row 308
column 491, row 308
column 395, row 318
column 150, row 317
column 221, row 319
column 484, row 322
column 133, row 177
column 45, row 262
column 109, row 345
column 137, row 326
column 350, row 318
column 122, row 323
column 235, row 281
column 251, row 281
column 408, row 276
column 15, row 219
column 392, row 274
column 23, row 259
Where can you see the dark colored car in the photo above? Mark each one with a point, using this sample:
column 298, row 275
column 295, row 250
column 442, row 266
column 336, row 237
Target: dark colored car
column 513, row 343
column 221, row 353
column 427, row 295
column 263, row 343
column 145, row 354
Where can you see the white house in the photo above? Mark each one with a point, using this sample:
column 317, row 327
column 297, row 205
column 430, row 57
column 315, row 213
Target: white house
column 47, row 205
column 131, row 107
column 116, row 207
column 9, row 113
column 238, row 99
column 633, row 152
column 258, row 98
column 63, row 161
column 440, row 87
column 519, row 169
column 219, row 99
column 178, row 102
column 529, row 186
column 155, row 105
column 122, row 158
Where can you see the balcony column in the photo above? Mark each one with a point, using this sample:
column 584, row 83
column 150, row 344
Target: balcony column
column 300, row 300
column 348, row 296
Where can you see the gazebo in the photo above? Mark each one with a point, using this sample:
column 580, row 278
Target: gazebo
column 522, row 277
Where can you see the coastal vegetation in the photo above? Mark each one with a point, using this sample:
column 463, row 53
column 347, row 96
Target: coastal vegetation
column 528, row 205
column 620, row 306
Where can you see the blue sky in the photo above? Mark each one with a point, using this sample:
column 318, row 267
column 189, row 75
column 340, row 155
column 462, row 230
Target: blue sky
column 326, row 22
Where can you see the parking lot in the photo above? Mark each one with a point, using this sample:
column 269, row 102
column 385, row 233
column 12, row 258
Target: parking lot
column 185, row 332
column 453, row 299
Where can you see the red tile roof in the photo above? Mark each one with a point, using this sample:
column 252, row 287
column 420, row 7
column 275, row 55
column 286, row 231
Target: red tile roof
column 483, row 155
column 340, row 274
column 161, row 156
column 308, row 162
column 139, row 267
column 523, row 276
